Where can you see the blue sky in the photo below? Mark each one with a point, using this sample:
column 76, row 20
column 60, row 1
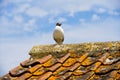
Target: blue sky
column 25, row 23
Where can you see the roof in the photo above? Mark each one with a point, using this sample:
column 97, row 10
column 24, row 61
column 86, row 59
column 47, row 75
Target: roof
column 85, row 61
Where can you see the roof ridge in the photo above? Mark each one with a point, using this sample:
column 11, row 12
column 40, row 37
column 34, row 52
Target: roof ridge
column 60, row 50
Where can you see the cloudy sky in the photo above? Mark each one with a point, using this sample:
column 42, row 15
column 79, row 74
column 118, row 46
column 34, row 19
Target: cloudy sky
column 25, row 23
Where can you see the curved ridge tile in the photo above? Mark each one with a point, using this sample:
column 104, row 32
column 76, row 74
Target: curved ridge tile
column 34, row 68
column 42, row 77
column 61, row 71
column 111, row 60
column 75, row 66
column 83, row 57
column 50, row 62
column 7, row 77
column 61, row 60
column 107, row 68
column 80, row 70
column 18, row 71
column 28, row 62
column 66, row 75
column 54, row 67
column 104, row 57
column 109, row 76
column 69, row 62
column 40, row 71
column 82, row 77
column 45, row 76
column 44, row 59
column 24, row 76
column 89, row 61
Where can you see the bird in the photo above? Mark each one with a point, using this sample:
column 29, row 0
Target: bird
column 58, row 34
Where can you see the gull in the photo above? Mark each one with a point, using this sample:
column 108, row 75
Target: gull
column 58, row 34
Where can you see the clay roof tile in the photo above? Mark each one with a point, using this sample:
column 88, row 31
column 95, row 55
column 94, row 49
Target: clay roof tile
column 86, row 61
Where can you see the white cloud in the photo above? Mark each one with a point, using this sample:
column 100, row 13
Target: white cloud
column 82, row 20
column 43, row 8
column 114, row 13
column 36, row 12
column 107, row 30
column 95, row 17
column 73, row 6
column 21, row 8
column 30, row 25
column 51, row 20
column 61, row 19
column 101, row 10
column 18, row 19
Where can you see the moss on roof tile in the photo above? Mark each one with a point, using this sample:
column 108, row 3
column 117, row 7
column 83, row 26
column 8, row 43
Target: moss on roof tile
column 79, row 49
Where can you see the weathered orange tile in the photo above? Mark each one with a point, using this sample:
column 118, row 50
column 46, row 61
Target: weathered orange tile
column 61, row 71
column 94, row 66
column 34, row 68
column 18, row 71
column 110, row 79
column 88, row 61
column 103, row 69
column 62, row 77
column 118, row 65
column 117, row 77
column 92, row 77
column 28, row 62
column 75, row 66
column 111, row 60
column 83, row 57
column 7, row 77
column 24, row 76
column 79, row 72
column 40, row 71
column 50, row 62
column 54, row 78
column 73, row 54
column 44, row 59
column 34, row 78
column 61, row 60
column 104, row 57
column 69, row 62
column 107, row 76
column 45, row 76
column 113, row 74
column 86, row 76
column 66, row 75
column 95, row 77
column 54, row 67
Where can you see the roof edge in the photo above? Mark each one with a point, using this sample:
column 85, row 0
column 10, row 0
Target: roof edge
column 59, row 50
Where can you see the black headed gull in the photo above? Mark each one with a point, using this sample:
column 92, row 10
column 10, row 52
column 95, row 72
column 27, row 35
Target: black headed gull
column 58, row 34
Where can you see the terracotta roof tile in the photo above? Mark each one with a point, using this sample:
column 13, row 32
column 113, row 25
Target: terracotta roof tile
column 34, row 68
column 45, row 76
column 82, row 77
column 89, row 61
column 69, row 62
column 50, row 62
column 18, row 71
column 24, row 76
column 61, row 60
column 44, row 59
column 53, row 68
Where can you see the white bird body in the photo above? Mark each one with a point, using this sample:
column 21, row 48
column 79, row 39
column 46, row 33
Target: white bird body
column 58, row 35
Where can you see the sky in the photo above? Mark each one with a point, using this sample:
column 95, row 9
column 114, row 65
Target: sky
column 26, row 23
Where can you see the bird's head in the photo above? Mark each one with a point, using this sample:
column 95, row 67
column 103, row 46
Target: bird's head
column 58, row 24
